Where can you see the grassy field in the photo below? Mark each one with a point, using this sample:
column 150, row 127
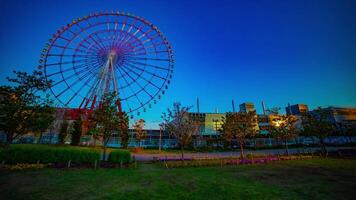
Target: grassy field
column 300, row 179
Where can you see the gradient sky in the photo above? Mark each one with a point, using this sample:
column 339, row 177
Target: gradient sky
column 278, row 51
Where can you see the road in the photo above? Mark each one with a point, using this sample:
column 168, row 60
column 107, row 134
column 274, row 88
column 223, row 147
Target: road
column 173, row 156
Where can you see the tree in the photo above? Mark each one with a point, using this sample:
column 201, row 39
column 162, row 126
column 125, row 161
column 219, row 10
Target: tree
column 124, row 129
column 140, row 133
column 316, row 124
column 239, row 126
column 63, row 132
column 284, row 128
column 177, row 122
column 24, row 106
column 107, row 118
column 252, row 127
column 76, row 131
column 41, row 120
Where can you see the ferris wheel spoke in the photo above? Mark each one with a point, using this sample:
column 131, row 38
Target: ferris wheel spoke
column 89, row 78
column 127, row 33
column 148, row 81
column 64, row 63
column 145, row 71
column 119, row 38
column 62, row 92
column 148, row 65
column 68, row 40
column 153, row 45
column 100, row 40
column 68, row 55
column 72, row 75
column 78, row 35
column 155, row 59
column 115, row 32
column 131, row 36
column 135, row 94
column 89, row 35
column 144, row 42
column 139, row 37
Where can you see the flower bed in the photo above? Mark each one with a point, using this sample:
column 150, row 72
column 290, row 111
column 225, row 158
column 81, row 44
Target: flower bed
column 228, row 161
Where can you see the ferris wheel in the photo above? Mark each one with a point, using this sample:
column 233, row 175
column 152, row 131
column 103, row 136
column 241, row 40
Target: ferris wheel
column 108, row 52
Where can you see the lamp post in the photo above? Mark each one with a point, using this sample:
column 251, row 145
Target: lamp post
column 160, row 137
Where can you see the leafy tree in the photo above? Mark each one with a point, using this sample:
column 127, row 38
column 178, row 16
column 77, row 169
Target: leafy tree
column 252, row 127
column 107, row 118
column 177, row 122
column 76, row 131
column 239, row 126
column 63, row 132
column 41, row 120
column 284, row 128
column 316, row 124
column 140, row 133
column 24, row 106
column 124, row 129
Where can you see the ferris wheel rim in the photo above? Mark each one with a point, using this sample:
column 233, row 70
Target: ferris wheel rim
column 49, row 46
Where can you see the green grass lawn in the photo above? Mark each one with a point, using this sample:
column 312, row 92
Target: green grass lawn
column 299, row 179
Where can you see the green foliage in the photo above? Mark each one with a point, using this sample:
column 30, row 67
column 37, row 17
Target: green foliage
column 118, row 155
column 239, row 126
column 140, row 133
column 107, row 118
column 178, row 123
column 27, row 153
column 76, row 131
column 63, row 131
column 284, row 128
column 316, row 123
column 24, row 105
column 124, row 129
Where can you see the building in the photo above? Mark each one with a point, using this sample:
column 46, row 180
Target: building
column 338, row 116
column 263, row 124
column 247, row 107
column 209, row 123
column 297, row 109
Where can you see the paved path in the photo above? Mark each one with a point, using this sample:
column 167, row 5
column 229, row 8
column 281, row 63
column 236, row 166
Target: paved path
column 170, row 156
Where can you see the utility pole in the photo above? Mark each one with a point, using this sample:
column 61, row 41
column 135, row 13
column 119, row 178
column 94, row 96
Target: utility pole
column 233, row 106
column 198, row 105
column 160, row 139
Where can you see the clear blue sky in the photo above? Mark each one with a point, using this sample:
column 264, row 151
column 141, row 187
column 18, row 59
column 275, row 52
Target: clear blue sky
column 278, row 51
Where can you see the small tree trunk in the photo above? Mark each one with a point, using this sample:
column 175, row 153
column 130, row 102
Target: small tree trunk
column 255, row 143
column 242, row 151
column 39, row 138
column 104, row 149
column 286, row 146
column 9, row 138
column 323, row 147
column 182, row 152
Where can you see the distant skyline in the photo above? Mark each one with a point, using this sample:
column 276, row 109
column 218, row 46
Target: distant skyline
column 277, row 51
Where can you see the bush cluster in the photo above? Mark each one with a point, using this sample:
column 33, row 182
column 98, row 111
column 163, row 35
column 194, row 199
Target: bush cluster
column 118, row 155
column 21, row 153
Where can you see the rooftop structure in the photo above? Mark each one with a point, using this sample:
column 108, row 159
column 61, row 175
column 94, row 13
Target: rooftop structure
column 297, row 109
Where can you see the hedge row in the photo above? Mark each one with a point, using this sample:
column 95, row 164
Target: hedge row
column 119, row 155
column 18, row 153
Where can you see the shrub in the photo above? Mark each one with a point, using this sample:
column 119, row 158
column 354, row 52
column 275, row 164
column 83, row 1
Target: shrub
column 118, row 155
column 19, row 153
